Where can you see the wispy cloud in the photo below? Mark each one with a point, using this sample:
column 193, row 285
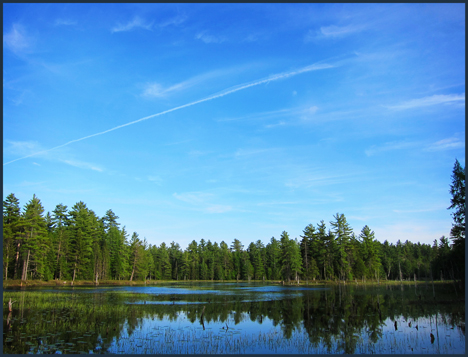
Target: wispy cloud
column 429, row 101
column 313, row 67
column 193, row 197
column 174, row 21
column 249, row 152
column 155, row 179
column 82, row 165
column 203, row 36
column 22, row 147
column 157, row 90
column 303, row 113
column 16, row 40
column 28, row 147
column 394, row 145
column 276, row 203
column 198, row 153
column 262, row 115
column 446, row 144
column 64, row 22
column 413, row 231
column 137, row 22
column 442, row 208
column 319, row 178
column 201, row 201
column 280, row 123
column 178, row 142
column 333, row 31
column 218, row 209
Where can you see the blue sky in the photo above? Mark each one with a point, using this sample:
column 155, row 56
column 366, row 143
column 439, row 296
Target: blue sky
column 230, row 121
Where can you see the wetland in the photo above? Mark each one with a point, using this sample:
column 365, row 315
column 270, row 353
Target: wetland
column 210, row 317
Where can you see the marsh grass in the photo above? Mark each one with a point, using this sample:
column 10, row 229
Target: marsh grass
column 336, row 320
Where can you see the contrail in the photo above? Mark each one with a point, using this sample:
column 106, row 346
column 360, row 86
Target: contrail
column 237, row 88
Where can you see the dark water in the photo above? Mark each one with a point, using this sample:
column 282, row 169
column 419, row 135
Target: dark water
column 235, row 318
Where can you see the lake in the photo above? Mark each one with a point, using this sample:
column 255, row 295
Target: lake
column 235, row 318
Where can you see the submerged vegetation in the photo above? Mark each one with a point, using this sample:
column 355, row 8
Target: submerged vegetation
column 235, row 318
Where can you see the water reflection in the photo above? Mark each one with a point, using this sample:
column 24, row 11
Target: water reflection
column 234, row 318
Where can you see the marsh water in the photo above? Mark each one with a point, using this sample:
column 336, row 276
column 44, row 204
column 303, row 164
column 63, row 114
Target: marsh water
column 235, row 318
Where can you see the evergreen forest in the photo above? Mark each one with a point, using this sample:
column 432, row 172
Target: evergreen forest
column 76, row 244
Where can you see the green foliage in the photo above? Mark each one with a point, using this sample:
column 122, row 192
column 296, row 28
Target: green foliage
column 77, row 244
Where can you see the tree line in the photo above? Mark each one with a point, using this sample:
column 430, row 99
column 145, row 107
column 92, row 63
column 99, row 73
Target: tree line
column 76, row 244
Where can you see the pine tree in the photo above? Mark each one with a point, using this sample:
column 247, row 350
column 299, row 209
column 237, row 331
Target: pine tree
column 306, row 253
column 34, row 238
column 175, row 256
column 457, row 233
column 60, row 221
column 274, row 259
column 343, row 233
column 296, row 261
column 457, row 190
column 11, row 218
column 370, row 252
column 236, row 249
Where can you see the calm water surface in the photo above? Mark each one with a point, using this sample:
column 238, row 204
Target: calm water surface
column 235, row 318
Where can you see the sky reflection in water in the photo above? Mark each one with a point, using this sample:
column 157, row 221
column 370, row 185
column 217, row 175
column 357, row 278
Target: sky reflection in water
column 237, row 318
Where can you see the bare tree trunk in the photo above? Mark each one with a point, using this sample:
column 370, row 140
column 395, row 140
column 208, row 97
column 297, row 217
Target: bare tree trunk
column 401, row 275
column 25, row 268
column 15, row 273
column 74, row 269
column 6, row 265
column 133, row 270
column 58, row 256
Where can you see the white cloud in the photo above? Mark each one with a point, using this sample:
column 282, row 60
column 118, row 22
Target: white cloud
column 319, row 179
column 16, row 40
column 203, row 36
column 249, row 152
column 446, row 144
column 64, row 22
column 193, row 197
column 177, row 20
column 423, row 232
column 198, row 153
column 429, row 101
column 156, row 90
column 135, row 23
column 340, row 31
column 442, row 208
column 374, row 149
column 218, row 209
column 22, row 148
column 82, row 165
column 332, row 31
column 280, row 123
column 201, row 201
column 28, row 148
column 156, row 179
column 275, row 203
column 228, row 91
column 313, row 110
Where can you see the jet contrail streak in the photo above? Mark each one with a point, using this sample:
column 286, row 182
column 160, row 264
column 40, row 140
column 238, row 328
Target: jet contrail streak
column 237, row 88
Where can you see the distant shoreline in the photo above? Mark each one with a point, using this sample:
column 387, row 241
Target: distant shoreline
column 38, row 283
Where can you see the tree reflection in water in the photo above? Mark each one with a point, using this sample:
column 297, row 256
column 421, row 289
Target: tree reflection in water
column 337, row 319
